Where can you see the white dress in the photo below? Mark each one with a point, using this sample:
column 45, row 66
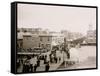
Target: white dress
column 74, row 54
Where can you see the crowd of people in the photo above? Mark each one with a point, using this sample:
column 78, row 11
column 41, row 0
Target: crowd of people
column 52, row 57
column 47, row 60
column 29, row 67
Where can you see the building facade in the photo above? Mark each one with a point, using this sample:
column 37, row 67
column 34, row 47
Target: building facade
column 30, row 41
column 91, row 35
column 37, row 41
column 57, row 38
column 45, row 41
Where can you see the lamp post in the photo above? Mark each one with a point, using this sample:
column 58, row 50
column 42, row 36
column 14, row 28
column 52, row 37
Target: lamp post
column 64, row 51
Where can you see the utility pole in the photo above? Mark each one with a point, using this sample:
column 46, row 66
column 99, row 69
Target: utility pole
column 64, row 51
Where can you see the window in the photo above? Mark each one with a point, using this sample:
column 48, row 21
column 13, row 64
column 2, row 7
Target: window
column 39, row 45
column 48, row 38
column 40, row 38
column 47, row 45
column 42, row 45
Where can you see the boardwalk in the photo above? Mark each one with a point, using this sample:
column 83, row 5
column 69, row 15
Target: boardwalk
column 87, row 59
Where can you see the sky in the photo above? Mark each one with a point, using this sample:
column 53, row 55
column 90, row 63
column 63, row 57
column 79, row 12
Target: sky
column 56, row 18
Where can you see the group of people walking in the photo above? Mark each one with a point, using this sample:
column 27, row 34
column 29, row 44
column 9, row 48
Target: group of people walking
column 28, row 67
column 47, row 61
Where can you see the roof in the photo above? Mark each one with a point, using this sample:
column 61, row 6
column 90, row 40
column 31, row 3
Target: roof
column 27, row 33
column 45, row 35
column 21, row 34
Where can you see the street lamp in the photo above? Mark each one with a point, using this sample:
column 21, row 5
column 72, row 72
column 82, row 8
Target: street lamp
column 64, row 51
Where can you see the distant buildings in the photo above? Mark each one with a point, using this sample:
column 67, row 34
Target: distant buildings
column 20, row 39
column 71, row 35
column 38, row 38
column 33, row 30
column 28, row 40
column 45, row 41
column 57, row 38
column 91, row 36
